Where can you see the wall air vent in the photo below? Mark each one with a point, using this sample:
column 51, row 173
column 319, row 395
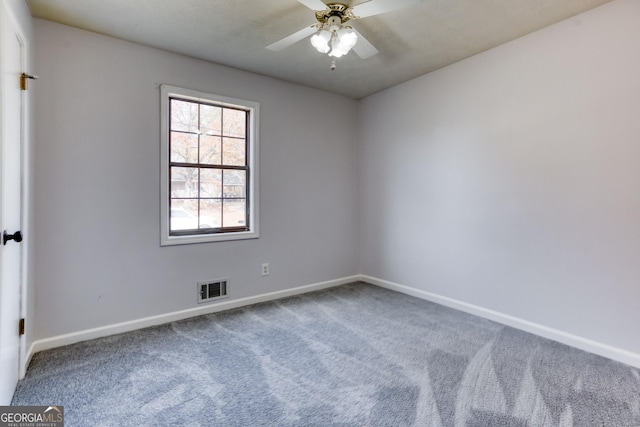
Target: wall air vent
column 211, row 291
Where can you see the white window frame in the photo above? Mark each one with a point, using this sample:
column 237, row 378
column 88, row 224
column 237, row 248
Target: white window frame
column 167, row 92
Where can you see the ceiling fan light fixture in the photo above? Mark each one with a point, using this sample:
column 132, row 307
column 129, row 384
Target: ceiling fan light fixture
column 336, row 49
column 320, row 41
column 347, row 38
column 342, row 41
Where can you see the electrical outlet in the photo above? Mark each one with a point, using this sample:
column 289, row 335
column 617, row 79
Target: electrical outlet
column 265, row 269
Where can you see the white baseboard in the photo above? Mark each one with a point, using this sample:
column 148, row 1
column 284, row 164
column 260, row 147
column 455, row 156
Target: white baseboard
column 614, row 353
column 103, row 331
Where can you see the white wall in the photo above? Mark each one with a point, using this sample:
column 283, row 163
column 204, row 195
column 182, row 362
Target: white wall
column 98, row 258
column 511, row 180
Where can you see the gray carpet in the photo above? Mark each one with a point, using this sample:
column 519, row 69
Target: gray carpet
column 356, row 355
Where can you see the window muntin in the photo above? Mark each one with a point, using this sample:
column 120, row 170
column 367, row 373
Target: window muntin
column 209, row 166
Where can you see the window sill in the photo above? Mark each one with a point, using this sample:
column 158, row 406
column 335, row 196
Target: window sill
column 207, row 238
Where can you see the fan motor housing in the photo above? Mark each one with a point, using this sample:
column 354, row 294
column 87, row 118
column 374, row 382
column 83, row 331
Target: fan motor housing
column 339, row 10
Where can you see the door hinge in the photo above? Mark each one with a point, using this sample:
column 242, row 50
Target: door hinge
column 23, row 80
column 21, row 327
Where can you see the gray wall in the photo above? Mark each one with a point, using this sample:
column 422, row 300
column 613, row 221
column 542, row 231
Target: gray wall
column 97, row 156
column 511, row 180
column 508, row 181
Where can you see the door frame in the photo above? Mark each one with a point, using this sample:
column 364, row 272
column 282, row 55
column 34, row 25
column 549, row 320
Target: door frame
column 24, row 197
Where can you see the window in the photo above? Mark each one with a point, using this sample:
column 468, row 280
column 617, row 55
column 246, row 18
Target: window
column 209, row 167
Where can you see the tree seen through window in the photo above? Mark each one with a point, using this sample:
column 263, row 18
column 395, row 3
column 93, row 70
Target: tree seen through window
column 208, row 167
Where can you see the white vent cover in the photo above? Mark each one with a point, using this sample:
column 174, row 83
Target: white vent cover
column 210, row 291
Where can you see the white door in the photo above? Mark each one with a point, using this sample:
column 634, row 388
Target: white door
column 11, row 115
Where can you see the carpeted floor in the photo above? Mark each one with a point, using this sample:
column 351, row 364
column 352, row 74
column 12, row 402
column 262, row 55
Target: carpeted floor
column 355, row 355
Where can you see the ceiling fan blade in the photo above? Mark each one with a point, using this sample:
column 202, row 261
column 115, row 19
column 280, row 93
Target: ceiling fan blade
column 376, row 7
column 293, row 38
column 363, row 48
column 314, row 4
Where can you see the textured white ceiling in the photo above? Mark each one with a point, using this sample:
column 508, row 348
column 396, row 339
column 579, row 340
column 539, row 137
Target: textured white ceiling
column 412, row 41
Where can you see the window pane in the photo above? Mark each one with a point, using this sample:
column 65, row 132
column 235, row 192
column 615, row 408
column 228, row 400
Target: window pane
column 210, row 120
column 210, row 183
column 233, row 152
column 210, row 213
column 184, row 147
column 183, row 214
column 234, row 184
column 235, row 213
column 210, row 150
column 184, row 116
column 234, row 123
column 184, row 182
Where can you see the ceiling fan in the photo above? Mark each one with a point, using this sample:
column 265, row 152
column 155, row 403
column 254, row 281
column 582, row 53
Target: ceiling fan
column 332, row 36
